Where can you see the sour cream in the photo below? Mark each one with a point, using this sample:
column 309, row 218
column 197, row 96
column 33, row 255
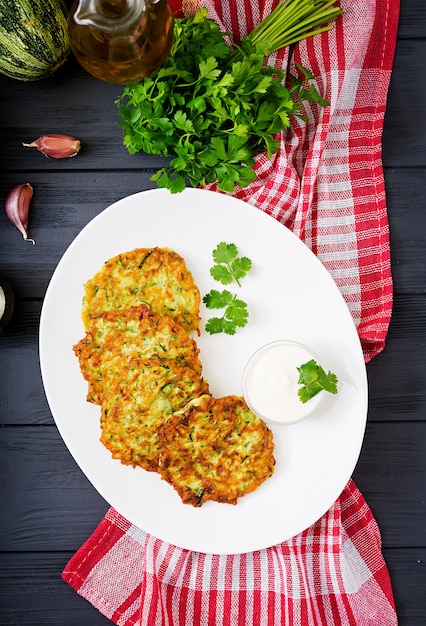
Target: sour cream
column 270, row 382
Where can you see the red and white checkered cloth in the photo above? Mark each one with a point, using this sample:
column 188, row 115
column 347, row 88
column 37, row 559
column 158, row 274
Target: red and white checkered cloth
column 332, row 574
column 326, row 184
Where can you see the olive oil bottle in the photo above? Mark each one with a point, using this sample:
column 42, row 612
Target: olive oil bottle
column 120, row 41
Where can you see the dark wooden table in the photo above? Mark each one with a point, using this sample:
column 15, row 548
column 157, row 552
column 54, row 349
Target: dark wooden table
column 48, row 508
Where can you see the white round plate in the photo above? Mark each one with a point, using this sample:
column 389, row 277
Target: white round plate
column 290, row 295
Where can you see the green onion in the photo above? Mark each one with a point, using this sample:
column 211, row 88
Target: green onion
column 291, row 22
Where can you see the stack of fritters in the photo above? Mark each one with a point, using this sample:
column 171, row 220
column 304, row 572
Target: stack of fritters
column 143, row 368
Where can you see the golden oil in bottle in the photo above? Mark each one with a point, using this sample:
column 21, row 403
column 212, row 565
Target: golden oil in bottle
column 120, row 41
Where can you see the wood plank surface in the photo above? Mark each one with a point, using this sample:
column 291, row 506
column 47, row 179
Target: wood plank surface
column 403, row 141
column 392, row 463
column 64, row 203
column 49, row 507
column 394, row 394
column 32, row 592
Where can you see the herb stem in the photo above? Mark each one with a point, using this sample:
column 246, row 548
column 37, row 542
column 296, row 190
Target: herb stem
column 290, row 22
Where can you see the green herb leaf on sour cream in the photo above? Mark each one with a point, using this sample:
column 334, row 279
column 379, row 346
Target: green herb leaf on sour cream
column 314, row 379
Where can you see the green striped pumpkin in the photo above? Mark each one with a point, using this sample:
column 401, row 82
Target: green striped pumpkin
column 33, row 38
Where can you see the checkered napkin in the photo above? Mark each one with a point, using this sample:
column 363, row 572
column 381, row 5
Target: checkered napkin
column 326, row 184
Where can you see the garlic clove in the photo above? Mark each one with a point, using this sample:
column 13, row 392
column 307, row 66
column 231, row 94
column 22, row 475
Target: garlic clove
column 17, row 208
column 56, row 146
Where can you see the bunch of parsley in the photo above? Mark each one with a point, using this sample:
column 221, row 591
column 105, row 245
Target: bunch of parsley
column 211, row 108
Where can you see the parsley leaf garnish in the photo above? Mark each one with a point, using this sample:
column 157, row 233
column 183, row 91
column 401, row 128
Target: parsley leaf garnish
column 235, row 314
column 314, row 379
column 229, row 266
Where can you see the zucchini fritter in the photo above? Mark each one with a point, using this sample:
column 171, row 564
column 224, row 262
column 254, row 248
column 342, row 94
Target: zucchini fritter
column 155, row 276
column 215, row 449
column 140, row 332
column 144, row 394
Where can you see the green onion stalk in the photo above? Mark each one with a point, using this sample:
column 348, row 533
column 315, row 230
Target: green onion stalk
column 290, row 22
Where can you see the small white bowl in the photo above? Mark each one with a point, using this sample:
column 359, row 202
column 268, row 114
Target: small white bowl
column 270, row 382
